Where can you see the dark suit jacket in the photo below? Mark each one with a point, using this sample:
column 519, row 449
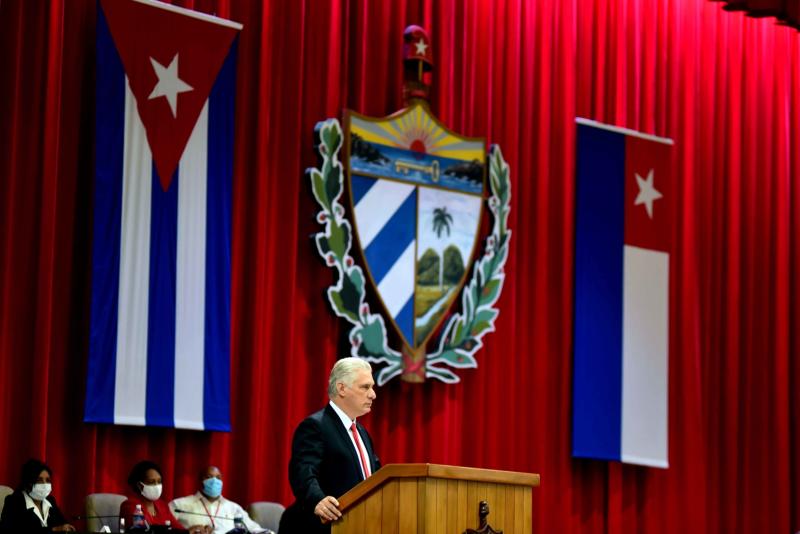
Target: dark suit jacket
column 323, row 463
column 17, row 518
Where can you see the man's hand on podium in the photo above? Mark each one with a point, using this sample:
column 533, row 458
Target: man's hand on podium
column 328, row 509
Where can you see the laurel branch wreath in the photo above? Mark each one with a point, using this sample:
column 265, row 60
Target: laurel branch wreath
column 462, row 336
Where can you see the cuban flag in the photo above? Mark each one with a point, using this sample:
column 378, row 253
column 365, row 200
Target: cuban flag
column 159, row 349
column 622, row 250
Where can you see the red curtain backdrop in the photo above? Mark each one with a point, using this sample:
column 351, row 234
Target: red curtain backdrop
column 725, row 87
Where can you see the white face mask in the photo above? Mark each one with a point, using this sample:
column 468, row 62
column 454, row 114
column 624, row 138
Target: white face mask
column 39, row 492
column 151, row 493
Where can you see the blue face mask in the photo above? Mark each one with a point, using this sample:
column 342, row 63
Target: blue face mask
column 212, row 487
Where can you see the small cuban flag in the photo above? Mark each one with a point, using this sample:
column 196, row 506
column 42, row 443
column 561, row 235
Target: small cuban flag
column 624, row 219
column 159, row 349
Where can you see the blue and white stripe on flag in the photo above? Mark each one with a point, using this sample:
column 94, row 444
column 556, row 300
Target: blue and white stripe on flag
column 160, row 329
column 621, row 332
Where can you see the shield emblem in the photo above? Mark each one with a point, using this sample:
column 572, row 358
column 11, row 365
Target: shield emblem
column 416, row 199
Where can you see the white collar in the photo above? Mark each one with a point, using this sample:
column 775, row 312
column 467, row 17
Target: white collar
column 29, row 504
column 346, row 421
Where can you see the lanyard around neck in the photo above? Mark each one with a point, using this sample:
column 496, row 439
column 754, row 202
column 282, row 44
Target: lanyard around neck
column 216, row 512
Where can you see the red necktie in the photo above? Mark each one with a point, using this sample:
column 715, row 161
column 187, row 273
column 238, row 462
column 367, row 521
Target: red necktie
column 362, row 456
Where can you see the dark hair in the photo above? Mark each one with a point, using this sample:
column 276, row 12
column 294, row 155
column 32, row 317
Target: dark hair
column 30, row 472
column 138, row 471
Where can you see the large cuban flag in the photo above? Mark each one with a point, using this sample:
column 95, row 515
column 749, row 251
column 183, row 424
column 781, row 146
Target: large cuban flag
column 160, row 330
column 622, row 244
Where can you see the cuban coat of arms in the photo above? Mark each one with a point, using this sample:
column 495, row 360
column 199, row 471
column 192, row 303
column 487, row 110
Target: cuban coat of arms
column 415, row 197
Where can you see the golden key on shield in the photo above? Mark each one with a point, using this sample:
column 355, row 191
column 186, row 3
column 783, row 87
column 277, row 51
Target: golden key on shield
column 405, row 166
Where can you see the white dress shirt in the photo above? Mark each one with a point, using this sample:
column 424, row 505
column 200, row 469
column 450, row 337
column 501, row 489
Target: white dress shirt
column 45, row 508
column 198, row 510
column 347, row 422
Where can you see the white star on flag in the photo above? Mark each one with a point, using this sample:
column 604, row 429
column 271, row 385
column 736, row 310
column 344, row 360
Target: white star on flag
column 647, row 193
column 421, row 47
column 169, row 85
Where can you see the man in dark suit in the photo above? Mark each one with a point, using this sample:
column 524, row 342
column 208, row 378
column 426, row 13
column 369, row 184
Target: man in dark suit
column 331, row 452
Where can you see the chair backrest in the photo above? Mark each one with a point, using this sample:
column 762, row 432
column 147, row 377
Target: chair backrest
column 267, row 514
column 5, row 491
column 103, row 509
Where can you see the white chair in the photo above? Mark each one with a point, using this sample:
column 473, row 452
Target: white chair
column 102, row 509
column 5, row 491
column 267, row 514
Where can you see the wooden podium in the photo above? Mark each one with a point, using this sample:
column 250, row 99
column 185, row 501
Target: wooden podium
column 436, row 499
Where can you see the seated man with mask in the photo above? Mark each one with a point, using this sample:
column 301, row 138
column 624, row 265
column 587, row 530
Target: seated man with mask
column 208, row 506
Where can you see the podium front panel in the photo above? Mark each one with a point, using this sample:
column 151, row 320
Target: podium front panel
column 428, row 505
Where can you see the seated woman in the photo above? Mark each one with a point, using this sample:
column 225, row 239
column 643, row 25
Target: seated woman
column 145, row 483
column 31, row 508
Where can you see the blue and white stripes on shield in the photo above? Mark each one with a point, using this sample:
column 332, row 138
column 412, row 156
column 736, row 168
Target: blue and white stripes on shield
column 386, row 212
column 160, row 329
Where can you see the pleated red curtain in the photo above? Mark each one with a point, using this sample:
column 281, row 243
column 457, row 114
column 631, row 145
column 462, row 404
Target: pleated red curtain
column 724, row 86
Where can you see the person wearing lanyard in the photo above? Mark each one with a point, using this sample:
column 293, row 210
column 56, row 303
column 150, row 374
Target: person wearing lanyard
column 209, row 509
column 331, row 452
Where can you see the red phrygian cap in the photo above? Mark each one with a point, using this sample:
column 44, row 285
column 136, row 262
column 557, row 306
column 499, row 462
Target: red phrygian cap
column 417, row 46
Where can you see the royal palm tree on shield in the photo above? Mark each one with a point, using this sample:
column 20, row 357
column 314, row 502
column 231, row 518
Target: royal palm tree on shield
column 441, row 223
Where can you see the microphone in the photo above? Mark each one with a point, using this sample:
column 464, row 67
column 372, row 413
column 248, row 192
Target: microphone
column 179, row 511
column 104, row 526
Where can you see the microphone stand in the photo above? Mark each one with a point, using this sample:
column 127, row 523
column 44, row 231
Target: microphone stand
column 179, row 511
column 100, row 517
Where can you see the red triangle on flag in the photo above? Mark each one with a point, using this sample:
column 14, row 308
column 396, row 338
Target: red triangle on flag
column 171, row 58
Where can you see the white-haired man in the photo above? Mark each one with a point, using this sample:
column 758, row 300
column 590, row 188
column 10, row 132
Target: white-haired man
column 331, row 451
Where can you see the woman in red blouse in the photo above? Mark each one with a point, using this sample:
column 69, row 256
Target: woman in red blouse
column 145, row 483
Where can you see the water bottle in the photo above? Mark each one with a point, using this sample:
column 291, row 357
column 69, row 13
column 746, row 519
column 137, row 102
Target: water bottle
column 238, row 524
column 122, row 525
column 138, row 519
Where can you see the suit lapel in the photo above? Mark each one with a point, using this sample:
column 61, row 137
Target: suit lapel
column 344, row 438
